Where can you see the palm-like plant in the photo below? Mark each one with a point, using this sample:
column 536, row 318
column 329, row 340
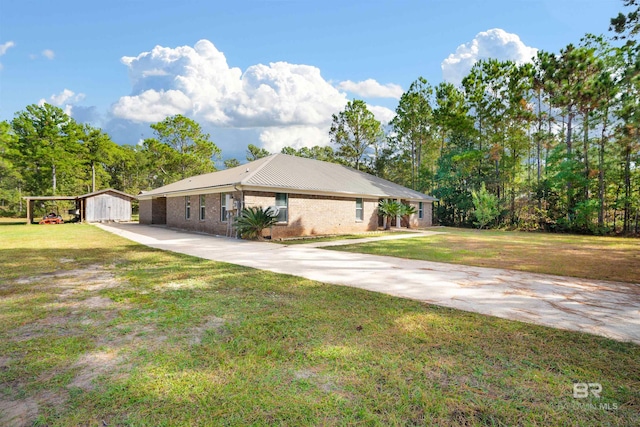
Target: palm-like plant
column 252, row 221
column 407, row 211
column 388, row 209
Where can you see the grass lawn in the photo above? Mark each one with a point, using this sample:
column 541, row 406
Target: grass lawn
column 592, row 257
column 96, row 330
column 305, row 240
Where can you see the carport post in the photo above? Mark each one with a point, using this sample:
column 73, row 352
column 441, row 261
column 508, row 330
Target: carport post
column 29, row 209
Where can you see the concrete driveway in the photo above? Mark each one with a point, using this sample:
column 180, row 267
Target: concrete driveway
column 610, row 309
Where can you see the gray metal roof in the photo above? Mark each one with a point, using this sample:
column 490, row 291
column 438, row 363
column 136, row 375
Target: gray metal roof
column 107, row 190
column 291, row 174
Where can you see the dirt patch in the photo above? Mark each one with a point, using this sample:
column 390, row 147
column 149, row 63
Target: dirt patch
column 92, row 365
column 323, row 382
column 91, row 278
column 94, row 303
column 23, row 412
column 212, row 323
column 18, row 413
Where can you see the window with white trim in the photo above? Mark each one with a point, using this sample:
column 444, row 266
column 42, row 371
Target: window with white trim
column 282, row 202
column 223, row 207
column 359, row 210
column 202, row 207
column 187, row 207
column 420, row 210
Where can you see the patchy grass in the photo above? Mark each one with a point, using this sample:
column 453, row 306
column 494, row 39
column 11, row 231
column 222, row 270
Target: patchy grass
column 97, row 330
column 332, row 238
column 591, row 257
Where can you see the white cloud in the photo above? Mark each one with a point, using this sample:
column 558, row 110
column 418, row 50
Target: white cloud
column 382, row 114
column 372, row 89
column 48, row 53
column 495, row 43
column 276, row 105
column 65, row 99
column 275, row 138
column 197, row 81
column 152, row 105
column 5, row 46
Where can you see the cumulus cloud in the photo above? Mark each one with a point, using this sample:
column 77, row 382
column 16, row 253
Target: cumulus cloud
column 197, row 81
column 495, row 43
column 277, row 104
column 65, row 99
column 372, row 89
column 48, row 53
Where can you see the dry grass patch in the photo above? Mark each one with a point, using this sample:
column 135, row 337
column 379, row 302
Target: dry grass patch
column 590, row 257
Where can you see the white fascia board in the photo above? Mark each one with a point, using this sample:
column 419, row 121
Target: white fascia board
column 191, row 192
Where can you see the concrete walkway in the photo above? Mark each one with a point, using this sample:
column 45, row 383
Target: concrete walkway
column 609, row 309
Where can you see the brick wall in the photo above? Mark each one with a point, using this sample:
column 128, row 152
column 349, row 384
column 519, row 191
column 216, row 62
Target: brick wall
column 144, row 209
column 415, row 221
column 159, row 211
column 212, row 223
column 318, row 215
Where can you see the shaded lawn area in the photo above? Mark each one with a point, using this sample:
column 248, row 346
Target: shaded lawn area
column 305, row 240
column 94, row 328
column 591, row 257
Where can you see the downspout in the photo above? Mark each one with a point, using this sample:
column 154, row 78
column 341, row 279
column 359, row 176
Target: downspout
column 240, row 205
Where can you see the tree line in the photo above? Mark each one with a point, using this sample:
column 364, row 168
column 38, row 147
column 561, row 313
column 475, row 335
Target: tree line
column 553, row 144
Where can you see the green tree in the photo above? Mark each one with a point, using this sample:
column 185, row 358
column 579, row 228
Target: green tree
column 412, row 125
column 254, row 153
column 47, row 150
column 355, row 131
column 231, row 163
column 190, row 151
column 485, row 206
column 325, row 154
column 627, row 25
column 10, row 178
column 99, row 152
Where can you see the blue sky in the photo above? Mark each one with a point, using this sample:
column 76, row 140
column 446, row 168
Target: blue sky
column 267, row 72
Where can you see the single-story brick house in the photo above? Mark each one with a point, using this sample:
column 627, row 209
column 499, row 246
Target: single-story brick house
column 313, row 198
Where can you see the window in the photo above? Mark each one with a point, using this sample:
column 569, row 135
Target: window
column 282, row 202
column 420, row 210
column 187, row 207
column 359, row 215
column 202, row 210
column 223, row 207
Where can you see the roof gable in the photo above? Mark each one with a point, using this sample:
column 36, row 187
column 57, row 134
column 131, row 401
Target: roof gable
column 107, row 190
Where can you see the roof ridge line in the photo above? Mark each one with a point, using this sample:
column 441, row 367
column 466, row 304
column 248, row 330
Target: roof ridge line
column 258, row 169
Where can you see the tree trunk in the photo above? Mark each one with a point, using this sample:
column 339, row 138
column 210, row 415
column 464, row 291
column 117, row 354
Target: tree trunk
column 54, row 178
column 601, row 172
column 93, row 177
column 569, row 158
column 627, row 190
column 586, row 155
